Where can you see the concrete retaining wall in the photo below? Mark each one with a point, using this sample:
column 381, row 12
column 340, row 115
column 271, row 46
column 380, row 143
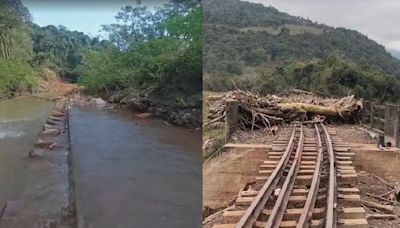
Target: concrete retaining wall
column 226, row 174
column 383, row 163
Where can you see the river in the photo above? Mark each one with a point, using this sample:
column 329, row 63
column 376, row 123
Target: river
column 20, row 122
column 127, row 172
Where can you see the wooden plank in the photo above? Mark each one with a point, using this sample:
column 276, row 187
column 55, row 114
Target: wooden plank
column 250, row 146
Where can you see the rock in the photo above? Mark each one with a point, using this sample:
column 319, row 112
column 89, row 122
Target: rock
column 56, row 118
column 51, row 132
column 115, row 98
column 140, row 104
column 35, row 153
column 52, row 122
column 99, row 101
column 144, row 115
column 44, row 144
column 49, row 127
column 49, row 223
column 57, row 114
column 10, row 210
column 187, row 117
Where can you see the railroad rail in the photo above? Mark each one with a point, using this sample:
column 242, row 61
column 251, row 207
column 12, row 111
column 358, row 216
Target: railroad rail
column 307, row 181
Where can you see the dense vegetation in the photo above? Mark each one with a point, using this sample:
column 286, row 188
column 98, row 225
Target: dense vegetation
column 62, row 50
column 28, row 50
column 159, row 52
column 153, row 52
column 259, row 48
column 16, row 73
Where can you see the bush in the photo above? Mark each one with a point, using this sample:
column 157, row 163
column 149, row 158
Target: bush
column 16, row 77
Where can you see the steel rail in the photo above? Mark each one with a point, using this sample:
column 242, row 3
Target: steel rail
column 253, row 211
column 275, row 218
column 305, row 217
column 331, row 213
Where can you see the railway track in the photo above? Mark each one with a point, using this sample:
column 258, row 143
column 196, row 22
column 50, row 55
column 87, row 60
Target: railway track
column 307, row 181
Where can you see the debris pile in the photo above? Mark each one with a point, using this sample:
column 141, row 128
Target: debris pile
column 257, row 112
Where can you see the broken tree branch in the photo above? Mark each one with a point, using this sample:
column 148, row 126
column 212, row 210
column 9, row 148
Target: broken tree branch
column 380, row 216
column 386, row 208
column 381, row 198
column 382, row 180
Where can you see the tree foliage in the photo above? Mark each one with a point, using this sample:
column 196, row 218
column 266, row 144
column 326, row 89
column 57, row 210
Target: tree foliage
column 60, row 49
column 16, row 75
column 159, row 52
column 263, row 49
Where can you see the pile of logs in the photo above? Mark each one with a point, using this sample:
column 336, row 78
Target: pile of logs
column 257, row 112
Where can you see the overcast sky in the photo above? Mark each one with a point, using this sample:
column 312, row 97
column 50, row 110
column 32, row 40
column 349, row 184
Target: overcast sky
column 82, row 15
column 379, row 20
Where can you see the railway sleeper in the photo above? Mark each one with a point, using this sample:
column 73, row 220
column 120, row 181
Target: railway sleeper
column 353, row 223
column 300, row 179
column 350, row 217
column 290, row 224
column 347, row 179
column 351, row 155
column 267, row 167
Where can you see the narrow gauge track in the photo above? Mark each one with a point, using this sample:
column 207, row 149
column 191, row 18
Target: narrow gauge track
column 300, row 191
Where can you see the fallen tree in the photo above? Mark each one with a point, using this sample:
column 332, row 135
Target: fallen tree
column 257, row 111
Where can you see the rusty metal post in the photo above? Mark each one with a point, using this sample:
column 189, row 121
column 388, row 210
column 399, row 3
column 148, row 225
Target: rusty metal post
column 231, row 118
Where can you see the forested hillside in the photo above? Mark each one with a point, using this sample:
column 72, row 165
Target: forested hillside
column 28, row 51
column 260, row 48
column 62, row 50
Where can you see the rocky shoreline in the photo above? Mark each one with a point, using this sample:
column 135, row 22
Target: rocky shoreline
column 181, row 113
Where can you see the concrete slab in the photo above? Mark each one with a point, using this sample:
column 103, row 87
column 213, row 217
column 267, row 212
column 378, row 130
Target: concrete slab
column 383, row 163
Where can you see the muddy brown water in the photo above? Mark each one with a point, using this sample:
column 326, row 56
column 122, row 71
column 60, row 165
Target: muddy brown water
column 20, row 121
column 134, row 173
column 127, row 172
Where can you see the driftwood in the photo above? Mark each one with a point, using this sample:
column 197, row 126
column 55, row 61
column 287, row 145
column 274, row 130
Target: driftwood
column 257, row 111
column 386, row 208
column 383, row 181
column 216, row 214
column 384, row 199
column 381, row 216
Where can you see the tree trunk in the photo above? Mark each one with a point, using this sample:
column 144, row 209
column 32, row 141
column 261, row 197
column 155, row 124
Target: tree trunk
column 311, row 108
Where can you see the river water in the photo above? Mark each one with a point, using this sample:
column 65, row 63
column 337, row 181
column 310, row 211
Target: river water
column 127, row 172
column 134, row 173
column 20, row 122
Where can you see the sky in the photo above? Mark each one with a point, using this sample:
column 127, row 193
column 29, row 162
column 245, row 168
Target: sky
column 84, row 15
column 379, row 20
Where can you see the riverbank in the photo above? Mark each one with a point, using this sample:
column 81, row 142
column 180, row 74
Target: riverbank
column 184, row 112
